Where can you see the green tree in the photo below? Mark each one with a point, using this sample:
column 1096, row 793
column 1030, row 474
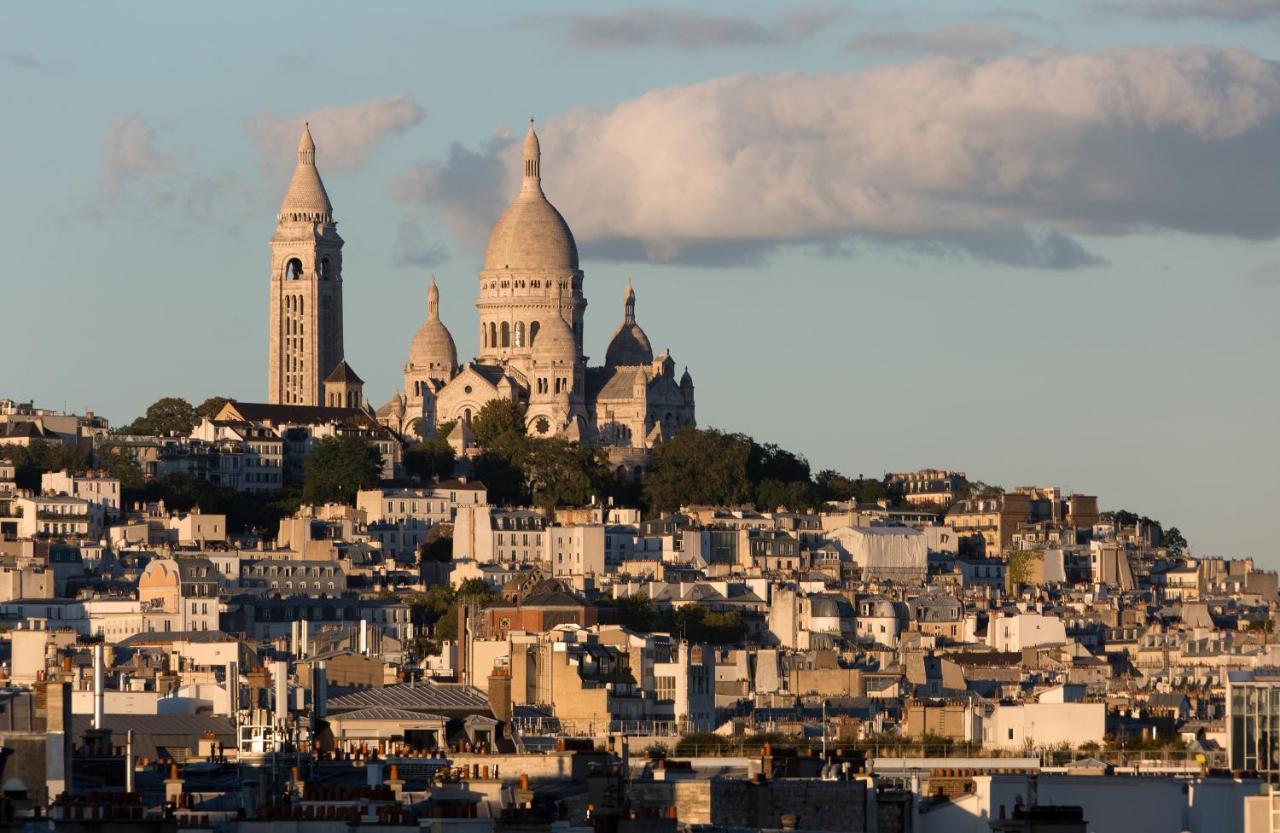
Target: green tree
column 831, row 485
column 561, row 473
column 499, row 422
column 794, row 495
column 637, row 613
column 504, row 479
column 1174, row 540
column 698, row 466
column 337, row 468
column 211, row 406
column 121, row 465
column 31, row 462
column 437, row 545
column 169, row 415
column 430, row 460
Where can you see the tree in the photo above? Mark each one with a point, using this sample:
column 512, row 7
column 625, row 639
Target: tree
column 498, row 422
column 170, row 415
column 637, row 613
column 430, row 460
column 437, row 545
column 211, row 406
column 504, row 480
column 794, row 495
column 339, row 467
column 699, row 466
column 831, row 485
column 121, row 465
column 1174, row 541
column 560, row 473
column 32, row 461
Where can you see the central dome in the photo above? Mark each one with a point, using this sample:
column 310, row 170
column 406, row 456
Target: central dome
column 531, row 235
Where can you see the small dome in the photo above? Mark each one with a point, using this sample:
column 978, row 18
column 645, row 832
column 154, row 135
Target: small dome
column 629, row 345
column 433, row 343
column 531, row 235
column 555, row 341
column 306, row 194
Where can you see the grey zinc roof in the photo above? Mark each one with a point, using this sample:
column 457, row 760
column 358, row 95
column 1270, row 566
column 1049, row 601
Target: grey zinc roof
column 421, row 697
column 387, row 713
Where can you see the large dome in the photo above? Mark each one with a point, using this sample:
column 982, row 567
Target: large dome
column 531, row 235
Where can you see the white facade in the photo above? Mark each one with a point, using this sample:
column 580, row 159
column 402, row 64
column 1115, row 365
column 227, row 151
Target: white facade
column 575, row 550
column 96, row 488
column 1025, row 630
column 1039, row 725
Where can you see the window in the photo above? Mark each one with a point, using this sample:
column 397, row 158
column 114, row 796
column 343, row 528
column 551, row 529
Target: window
column 506, row 334
column 519, row 334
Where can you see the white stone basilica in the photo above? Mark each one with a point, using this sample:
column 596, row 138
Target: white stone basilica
column 531, row 308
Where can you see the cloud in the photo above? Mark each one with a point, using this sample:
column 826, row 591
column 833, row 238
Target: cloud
column 960, row 40
column 1232, row 11
column 21, row 60
column 138, row 179
column 129, row 152
column 1268, row 274
column 346, row 135
column 467, row 188
column 414, row 249
column 637, row 27
column 1007, row 160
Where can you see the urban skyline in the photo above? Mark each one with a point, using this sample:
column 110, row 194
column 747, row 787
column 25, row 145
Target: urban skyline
column 169, row 191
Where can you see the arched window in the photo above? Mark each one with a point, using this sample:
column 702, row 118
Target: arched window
column 493, row 334
column 506, row 334
column 533, row 332
column 293, row 269
column 323, row 268
column 466, row 415
column 519, row 334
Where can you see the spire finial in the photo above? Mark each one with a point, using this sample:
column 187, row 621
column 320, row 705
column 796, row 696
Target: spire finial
column 629, row 304
column 532, row 161
column 306, row 146
column 433, row 300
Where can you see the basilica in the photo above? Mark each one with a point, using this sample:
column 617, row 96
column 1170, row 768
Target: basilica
column 531, row 306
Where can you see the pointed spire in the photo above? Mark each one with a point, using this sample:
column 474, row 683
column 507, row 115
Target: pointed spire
column 532, row 161
column 306, row 199
column 433, row 301
column 306, row 146
column 629, row 304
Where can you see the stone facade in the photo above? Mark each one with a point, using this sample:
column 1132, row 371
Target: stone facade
column 530, row 307
column 305, row 324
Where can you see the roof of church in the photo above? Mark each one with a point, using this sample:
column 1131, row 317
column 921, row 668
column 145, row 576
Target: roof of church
column 294, row 414
column 531, row 234
column 629, row 345
column 433, row 343
column 343, row 373
column 614, row 382
column 306, row 194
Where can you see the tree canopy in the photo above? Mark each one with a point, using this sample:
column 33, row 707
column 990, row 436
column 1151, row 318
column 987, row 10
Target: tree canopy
column 698, row 466
column 337, row 468
column 430, row 459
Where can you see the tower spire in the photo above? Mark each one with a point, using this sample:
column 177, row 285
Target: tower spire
column 532, row 161
column 629, row 305
column 433, row 300
column 306, row 146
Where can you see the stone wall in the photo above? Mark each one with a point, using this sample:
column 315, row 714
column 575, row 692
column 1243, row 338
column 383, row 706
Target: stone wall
column 837, row 806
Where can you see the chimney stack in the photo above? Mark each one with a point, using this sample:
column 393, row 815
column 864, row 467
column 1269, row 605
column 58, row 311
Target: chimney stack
column 99, row 696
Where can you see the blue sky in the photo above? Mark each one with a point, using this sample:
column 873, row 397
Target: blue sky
column 1035, row 243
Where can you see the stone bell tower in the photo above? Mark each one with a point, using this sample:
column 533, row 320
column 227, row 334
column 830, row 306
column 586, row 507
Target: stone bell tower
column 305, row 327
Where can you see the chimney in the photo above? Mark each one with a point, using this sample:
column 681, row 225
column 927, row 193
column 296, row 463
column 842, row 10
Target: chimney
column 319, row 691
column 280, row 678
column 128, row 762
column 99, row 696
column 395, row 782
column 58, row 739
column 364, row 638
column 173, row 787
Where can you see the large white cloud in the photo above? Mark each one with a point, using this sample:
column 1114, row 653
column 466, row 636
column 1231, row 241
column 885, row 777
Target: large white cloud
column 1005, row 159
column 346, row 135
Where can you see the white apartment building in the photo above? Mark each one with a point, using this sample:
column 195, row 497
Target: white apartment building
column 95, row 487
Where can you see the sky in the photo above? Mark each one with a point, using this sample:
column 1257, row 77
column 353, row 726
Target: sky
column 1033, row 242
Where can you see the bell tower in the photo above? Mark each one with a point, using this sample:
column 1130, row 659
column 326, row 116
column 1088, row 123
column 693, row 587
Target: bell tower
column 305, row 326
